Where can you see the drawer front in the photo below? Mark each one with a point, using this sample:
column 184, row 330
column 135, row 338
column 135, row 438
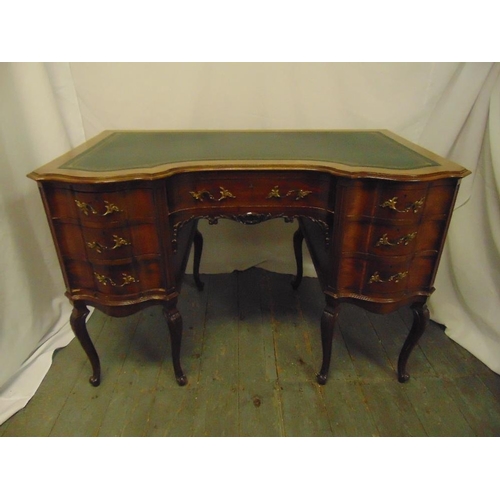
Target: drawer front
column 392, row 239
column 142, row 275
column 400, row 202
column 378, row 239
column 388, row 200
column 392, row 276
column 126, row 279
column 364, row 276
column 248, row 191
column 397, row 200
column 98, row 244
column 118, row 243
column 386, row 277
column 100, row 208
column 392, row 235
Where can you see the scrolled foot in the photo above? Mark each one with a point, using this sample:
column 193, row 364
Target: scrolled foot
column 95, row 381
column 403, row 377
column 322, row 378
column 182, row 380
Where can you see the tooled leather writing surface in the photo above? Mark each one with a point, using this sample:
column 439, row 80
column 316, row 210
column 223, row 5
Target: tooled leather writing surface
column 130, row 150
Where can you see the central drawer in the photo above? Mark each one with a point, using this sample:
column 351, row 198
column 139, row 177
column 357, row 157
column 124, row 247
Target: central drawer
column 248, row 190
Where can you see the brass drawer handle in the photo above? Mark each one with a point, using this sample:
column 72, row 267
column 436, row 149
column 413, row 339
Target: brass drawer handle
column 298, row 193
column 404, row 240
column 89, row 209
column 412, row 207
column 117, row 240
column 395, row 277
column 224, row 193
column 200, row 195
column 274, row 193
column 127, row 280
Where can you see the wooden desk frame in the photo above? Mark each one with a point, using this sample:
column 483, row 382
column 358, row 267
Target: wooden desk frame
column 123, row 237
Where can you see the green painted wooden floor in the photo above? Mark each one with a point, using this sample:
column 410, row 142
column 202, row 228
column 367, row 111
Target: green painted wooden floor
column 251, row 350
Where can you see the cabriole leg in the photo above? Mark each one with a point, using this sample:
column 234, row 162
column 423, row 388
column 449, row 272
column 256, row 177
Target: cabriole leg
column 328, row 319
column 77, row 322
column 198, row 248
column 298, row 238
column 420, row 321
column 174, row 321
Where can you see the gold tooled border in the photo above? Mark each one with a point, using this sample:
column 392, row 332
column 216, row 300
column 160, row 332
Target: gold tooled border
column 52, row 172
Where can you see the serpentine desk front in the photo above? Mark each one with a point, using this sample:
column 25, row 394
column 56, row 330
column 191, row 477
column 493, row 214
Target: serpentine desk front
column 123, row 209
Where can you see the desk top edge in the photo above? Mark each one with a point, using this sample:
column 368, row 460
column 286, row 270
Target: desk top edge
column 55, row 171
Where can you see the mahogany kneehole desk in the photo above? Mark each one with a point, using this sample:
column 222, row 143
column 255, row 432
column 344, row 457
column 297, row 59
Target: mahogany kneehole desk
column 373, row 208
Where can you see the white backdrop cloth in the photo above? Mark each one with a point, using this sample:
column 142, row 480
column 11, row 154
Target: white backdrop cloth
column 45, row 109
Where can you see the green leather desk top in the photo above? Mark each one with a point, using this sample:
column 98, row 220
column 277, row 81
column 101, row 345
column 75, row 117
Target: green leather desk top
column 116, row 155
column 133, row 150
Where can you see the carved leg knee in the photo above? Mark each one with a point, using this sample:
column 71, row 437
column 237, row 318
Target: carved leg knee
column 77, row 322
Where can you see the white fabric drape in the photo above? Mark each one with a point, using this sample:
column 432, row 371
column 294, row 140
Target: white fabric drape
column 47, row 108
column 33, row 312
column 467, row 293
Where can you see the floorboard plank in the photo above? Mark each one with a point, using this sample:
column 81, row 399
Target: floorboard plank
column 193, row 307
column 260, row 412
column 392, row 332
column 173, row 412
column 441, row 351
column 347, row 409
column 69, row 366
column 294, row 358
column 443, row 354
column 219, row 358
column 312, row 303
column 304, row 410
column 491, row 380
column 391, row 409
column 437, row 410
column 476, row 403
column 368, row 356
column 251, row 349
column 217, row 404
column 134, row 391
column 174, row 408
column 259, row 404
column 86, row 405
